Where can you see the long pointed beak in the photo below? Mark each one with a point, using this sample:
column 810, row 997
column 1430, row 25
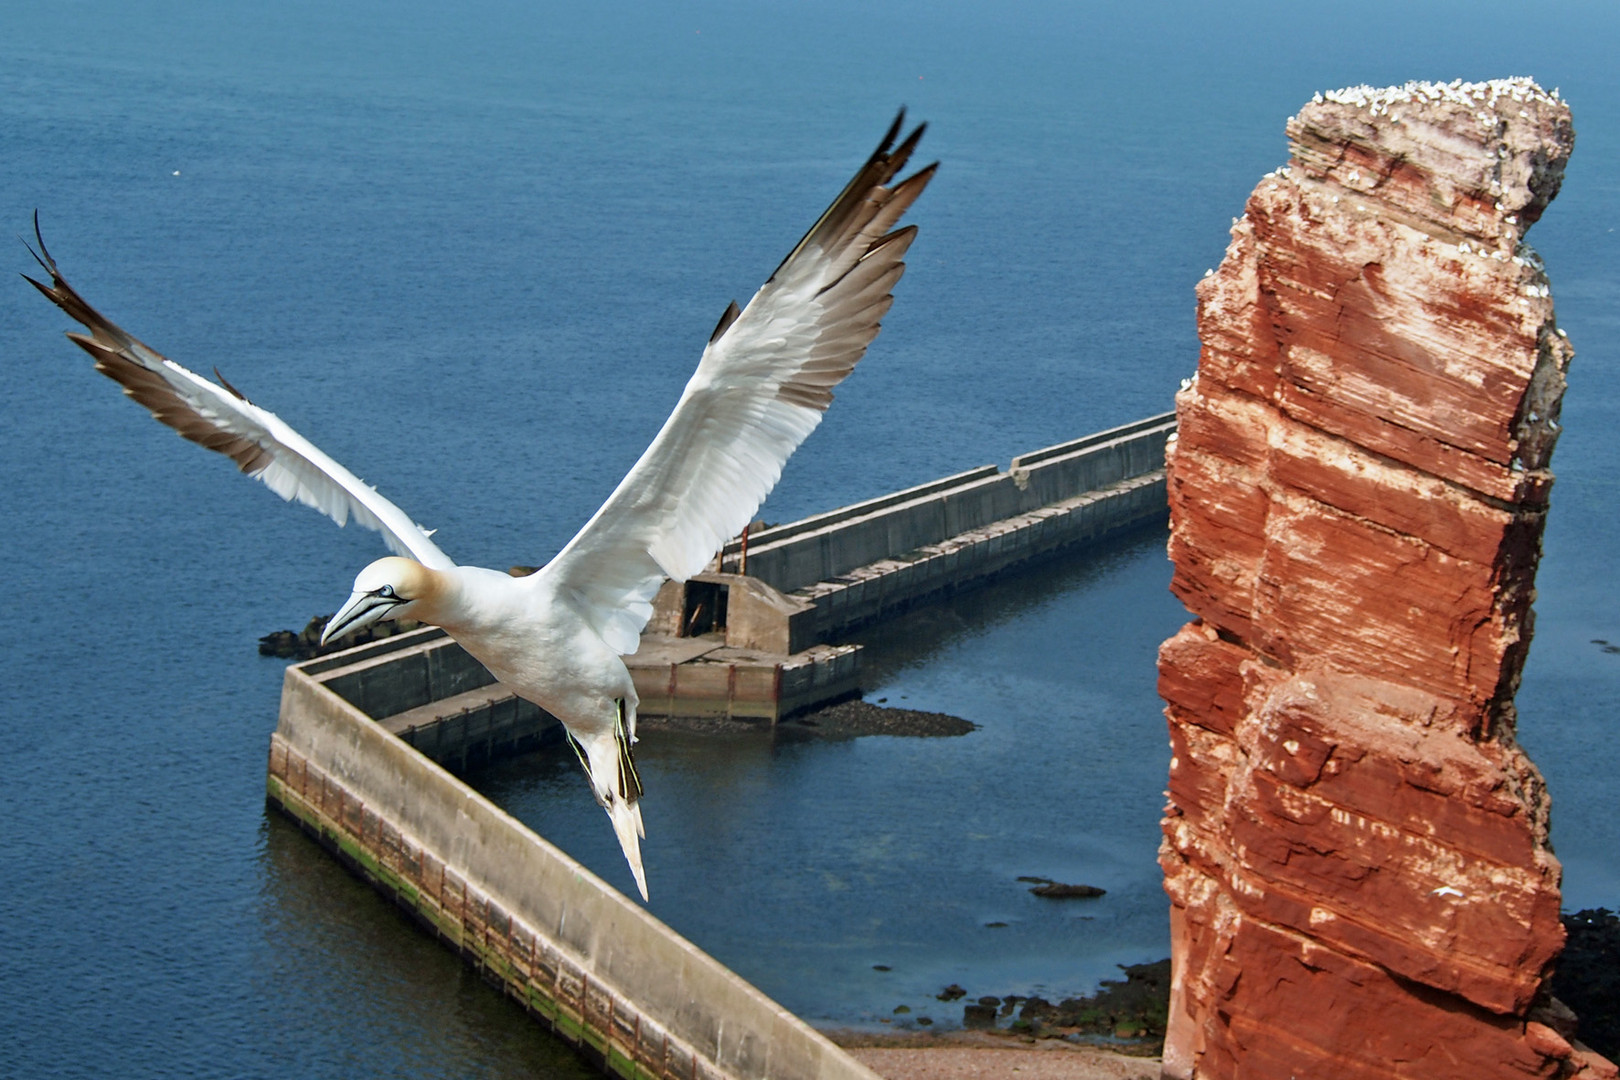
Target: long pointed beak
column 363, row 609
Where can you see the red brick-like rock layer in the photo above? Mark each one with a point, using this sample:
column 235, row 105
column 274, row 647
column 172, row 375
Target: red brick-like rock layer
column 1355, row 846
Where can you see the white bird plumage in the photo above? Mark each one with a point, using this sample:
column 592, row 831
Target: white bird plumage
column 557, row 636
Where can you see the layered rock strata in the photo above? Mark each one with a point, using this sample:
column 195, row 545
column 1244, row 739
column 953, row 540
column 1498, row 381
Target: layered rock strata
column 1355, row 847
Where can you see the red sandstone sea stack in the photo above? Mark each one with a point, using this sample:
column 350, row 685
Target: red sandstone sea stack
column 1355, row 846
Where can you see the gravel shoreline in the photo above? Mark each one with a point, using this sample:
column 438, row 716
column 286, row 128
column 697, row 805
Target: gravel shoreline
column 972, row 1055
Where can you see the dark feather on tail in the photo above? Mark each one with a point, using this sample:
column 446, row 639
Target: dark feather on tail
column 579, row 752
column 629, row 779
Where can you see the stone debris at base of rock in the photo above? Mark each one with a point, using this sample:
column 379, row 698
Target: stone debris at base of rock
column 1588, row 979
column 1129, row 1014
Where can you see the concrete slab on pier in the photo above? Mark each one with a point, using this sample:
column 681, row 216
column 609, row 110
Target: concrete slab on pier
column 660, row 650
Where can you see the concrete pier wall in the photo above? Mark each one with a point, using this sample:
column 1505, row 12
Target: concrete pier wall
column 879, row 590
column 750, row 688
column 599, row 969
column 871, row 560
column 824, row 547
column 427, row 690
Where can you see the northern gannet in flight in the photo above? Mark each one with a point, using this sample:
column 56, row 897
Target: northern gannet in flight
column 556, row 637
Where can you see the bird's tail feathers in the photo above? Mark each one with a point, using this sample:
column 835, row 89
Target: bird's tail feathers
column 626, row 817
column 617, row 787
column 624, row 735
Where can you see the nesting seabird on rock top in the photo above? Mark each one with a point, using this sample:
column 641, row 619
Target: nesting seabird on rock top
column 556, row 637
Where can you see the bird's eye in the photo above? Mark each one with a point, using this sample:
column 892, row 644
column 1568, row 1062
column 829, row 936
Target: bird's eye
column 387, row 592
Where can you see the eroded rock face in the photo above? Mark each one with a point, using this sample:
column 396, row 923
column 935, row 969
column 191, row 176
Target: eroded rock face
column 1355, row 847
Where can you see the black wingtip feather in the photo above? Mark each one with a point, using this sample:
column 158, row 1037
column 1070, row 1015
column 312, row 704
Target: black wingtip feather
column 42, row 263
column 727, row 317
column 223, row 382
column 879, row 169
column 64, row 296
column 44, row 257
column 46, row 263
column 902, row 153
column 893, row 132
column 42, row 288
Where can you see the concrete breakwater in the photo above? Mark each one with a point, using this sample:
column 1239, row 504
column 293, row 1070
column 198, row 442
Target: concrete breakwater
column 366, row 737
column 761, row 646
column 597, row 968
column 430, row 693
column 870, row 560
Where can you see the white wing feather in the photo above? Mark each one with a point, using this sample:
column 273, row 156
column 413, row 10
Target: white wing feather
column 221, row 419
column 761, row 387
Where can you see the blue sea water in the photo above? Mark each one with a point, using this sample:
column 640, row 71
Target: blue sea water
column 474, row 256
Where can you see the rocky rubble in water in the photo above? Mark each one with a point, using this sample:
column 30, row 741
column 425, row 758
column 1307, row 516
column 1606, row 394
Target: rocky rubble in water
column 848, row 719
column 1128, row 1014
column 1131, row 1015
column 306, row 644
column 853, row 718
column 1588, row 978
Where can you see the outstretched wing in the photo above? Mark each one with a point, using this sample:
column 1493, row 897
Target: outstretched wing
column 764, row 381
column 221, row 418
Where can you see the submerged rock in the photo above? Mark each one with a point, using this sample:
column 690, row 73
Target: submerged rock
column 978, row 1016
column 853, row 718
column 1059, row 891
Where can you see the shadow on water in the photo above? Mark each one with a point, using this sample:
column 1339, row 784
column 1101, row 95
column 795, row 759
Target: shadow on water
column 364, row 964
column 846, row 878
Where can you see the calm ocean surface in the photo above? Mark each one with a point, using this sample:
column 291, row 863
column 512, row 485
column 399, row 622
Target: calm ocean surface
column 475, row 259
